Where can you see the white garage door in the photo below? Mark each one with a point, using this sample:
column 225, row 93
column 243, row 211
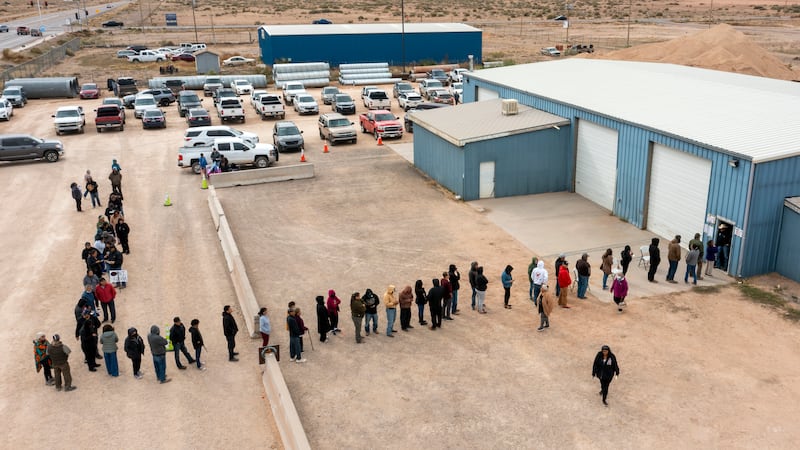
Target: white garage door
column 486, row 94
column 596, row 163
column 678, row 193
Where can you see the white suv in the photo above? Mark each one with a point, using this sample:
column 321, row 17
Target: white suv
column 143, row 103
column 205, row 136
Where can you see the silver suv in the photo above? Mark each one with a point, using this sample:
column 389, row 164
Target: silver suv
column 335, row 127
column 286, row 136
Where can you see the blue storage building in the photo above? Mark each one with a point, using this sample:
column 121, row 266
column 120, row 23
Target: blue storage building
column 672, row 149
column 368, row 43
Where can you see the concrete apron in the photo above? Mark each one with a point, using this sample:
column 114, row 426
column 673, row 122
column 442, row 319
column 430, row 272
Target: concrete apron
column 564, row 222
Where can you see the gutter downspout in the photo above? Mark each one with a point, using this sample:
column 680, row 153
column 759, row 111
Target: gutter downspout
column 746, row 219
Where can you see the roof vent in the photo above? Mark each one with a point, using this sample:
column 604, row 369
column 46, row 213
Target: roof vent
column 510, row 107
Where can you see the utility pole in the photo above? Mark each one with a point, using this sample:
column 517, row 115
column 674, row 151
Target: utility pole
column 630, row 11
column 403, row 33
column 194, row 19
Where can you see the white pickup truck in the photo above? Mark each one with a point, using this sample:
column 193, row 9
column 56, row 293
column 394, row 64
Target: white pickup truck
column 376, row 99
column 291, row 89
column 230, row 109
column 148, row 56
column 236, row 150
column 269, row 105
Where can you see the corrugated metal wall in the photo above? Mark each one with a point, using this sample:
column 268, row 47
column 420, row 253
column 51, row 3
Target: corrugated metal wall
column 786, row 261
column 335, row 49
column 772, row 183
column 728, row 187
column 530, row 163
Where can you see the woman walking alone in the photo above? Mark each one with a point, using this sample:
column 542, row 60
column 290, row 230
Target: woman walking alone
column 507, row 281
column 421, row 301
column 333, row 311
column 605, row 266
column 604, row 368
column 619, row 289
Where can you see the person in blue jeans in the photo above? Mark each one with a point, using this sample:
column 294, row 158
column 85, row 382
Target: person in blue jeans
column 673, row 257
column 421, row 300
column 371, row 301
column 197, row 342
column 391, row 309
column 177, row 334
column 108, row 341
column 691, row 264
column 455, row 285
column 158, row 347
column 584, row 272
column 531, row 267
column 295, row 332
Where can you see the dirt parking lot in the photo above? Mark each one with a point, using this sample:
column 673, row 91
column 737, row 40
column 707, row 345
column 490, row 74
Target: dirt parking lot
column 698, row 370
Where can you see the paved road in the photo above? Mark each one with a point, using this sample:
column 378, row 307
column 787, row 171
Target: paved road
column 54, row 23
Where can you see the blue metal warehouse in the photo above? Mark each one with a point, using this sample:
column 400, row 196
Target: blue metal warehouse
column 366, row 43
column 670, row 149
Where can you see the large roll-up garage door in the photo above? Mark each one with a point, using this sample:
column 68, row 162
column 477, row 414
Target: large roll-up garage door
column 678, row 193
column 596, row 163
column 486, row 94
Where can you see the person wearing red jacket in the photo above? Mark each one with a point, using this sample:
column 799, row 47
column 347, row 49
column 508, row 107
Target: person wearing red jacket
column 333, row 311
column 564, row 281
column 106, row 293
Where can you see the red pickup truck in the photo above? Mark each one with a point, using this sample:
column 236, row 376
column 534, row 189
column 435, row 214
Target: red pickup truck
column 381, row 123
column 109, row 116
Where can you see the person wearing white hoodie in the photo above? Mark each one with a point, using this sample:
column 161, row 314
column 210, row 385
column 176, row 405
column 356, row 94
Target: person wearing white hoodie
column 538, row 278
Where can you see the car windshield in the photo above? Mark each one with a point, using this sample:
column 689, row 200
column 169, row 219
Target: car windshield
column 190, row 98
column 294, row 87
column 88, row 87
column 340, row 123
column 67, row 113
column 11, row 91
column 343, row 99
column 437, row 72
column 125, row 82
column 305, row 99
column 434, row 83
column 236, row 132
column 458, row 85
column 378, row 95
column 288, row 131
column 213, row 81
column 241, row 82
column 153, row 113
column 382, row 117
column 330, row 90
column 145, row 101
column 404, row 87
column 198, row 113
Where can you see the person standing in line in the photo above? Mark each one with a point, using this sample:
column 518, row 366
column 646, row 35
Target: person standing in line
column 711, row 256
column 421, row 301
column 90, row 279
column 91, row 301
column 371, row 302
column 606, row 262
column 507, row 281
column 303, row 328
column 584, row 270
column 473, row 276
column 76, row 195
column 435, row 296
column 123, row 230
column 58, row 353
column 697, row 242
column 264, row 327
column 564, row 281
column 619, row 290
column 539, row 278
column 723, row 246
column 626, row 256
column 229, row 329
column 333, row 311
column 91, row 190
column 105, row 294
column 531, row 267
column 691, row 264
column 294, row 337
column 177, row 334
column 405, row 299
column 203, row 165
column 481, row 284
column 86, row 331
column 323, row 320
column 109, row 341
column 562, row 258
column 655, row 260
column 197, row 342
column 41, row 359
column 158, row 347
column 447, row 300
column 604, row 368
column 357, row 311
column 134, row 348
column 455, row 285
column 115, row 165
column 673, row 257
column 390, row 302
column 116, row 181
column 545, row 306
column 87, row 250
column 114, row 259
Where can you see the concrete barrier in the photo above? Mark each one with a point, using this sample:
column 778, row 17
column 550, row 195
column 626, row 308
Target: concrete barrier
column 289, row 426
column 258, row 176
column 215, row 207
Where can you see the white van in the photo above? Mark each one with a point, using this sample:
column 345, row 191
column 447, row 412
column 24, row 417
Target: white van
column 192, row 47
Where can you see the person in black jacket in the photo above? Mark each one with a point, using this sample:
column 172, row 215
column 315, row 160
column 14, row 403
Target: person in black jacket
column 454, row 277
column 86, row 331
column 481, row 284
column 421, row 300
column 435, row 297
column 177, row 334
column 655, row 259
column 197, row 342
column 323, row 320
column 604, row 368
column 134, row 348
column 371, row 301
column 123, row 230
column 230, row 329
column 86, row 252
column 473, row 275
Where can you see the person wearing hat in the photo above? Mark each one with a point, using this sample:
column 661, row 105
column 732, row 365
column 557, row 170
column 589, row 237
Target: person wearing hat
column 41, row 359
column 116, row 180
column 134, row 348
column 545, row 305
column 564, row 281
column 604, row 368
column 559, row 261
column 584, row 272
column 177, row 334
column 58, row 353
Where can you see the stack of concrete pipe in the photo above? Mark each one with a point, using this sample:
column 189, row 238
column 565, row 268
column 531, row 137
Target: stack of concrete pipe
column 366, row 73
column 315, row 74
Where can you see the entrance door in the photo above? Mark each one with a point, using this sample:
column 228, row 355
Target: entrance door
column 596, row 164
column 486, row 189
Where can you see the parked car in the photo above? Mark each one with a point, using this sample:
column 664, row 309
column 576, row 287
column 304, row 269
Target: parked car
column 143, row 103
column 550, row 51
column 236, row 150
column 23, row 31
column 16, row 95
column 69, row 118
column 237, row 61
column 381, row 124
column 321, row 22
column 427, row 84
column 408, row 124
column 198, row 117
column 211, row 85
column 344, row 104
column 409, row 100
column 125, row 53
column 89, row 90
column 112, row 23
column 457, row 75
column 440, row 75
column 255, row 96
column 223, row 94
column 164, row 97
column 36, row 32
column 290, row 89
column 6, row 109
column 402, row 86
column 109, row 116
column 377, row 99
column 581, row 48
column 305, row 104
column 188, row 57
column 137, row 48
column 269, row 105
column 175, row 85
column 441, row 96
column 286, row 136
column 114, row 101
column 242, row 87
column 203, row 136
column 336, row 128
column 154, row 118
column 328, row 92
column 457, row 88
column 124, row 86
column 3, row 28
column 147, row 56
column 230, row 109
column 188, row 100
column 15, row 147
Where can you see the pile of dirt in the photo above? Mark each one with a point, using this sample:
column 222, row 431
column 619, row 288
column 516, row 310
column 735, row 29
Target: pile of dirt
column 718, row 48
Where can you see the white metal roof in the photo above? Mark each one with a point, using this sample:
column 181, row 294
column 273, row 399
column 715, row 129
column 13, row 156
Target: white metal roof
column 478, row 121
column 752, row 117
column 793, row 203
column 366, row 28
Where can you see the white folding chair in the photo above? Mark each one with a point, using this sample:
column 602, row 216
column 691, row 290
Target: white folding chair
column 644, row 256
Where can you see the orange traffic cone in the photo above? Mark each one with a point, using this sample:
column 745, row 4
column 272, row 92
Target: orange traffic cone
column 380, row 140
column 325, row 148
column 303, row 156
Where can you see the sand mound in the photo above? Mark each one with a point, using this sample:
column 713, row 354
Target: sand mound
column 718, row 48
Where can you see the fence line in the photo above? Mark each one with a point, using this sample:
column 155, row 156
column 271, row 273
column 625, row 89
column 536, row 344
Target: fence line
column 32, row 68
